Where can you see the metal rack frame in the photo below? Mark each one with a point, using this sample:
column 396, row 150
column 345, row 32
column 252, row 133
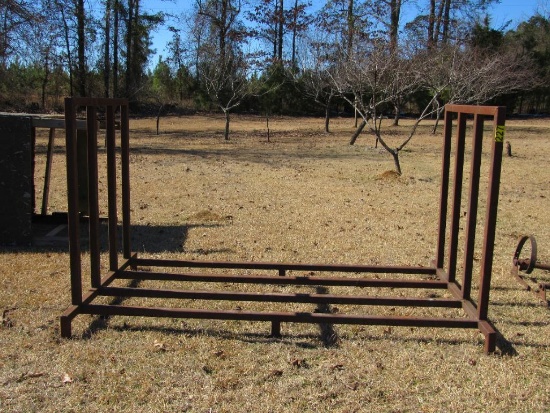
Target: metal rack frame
column 442, row 275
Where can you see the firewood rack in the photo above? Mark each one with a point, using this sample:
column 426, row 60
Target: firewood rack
column 444, row 274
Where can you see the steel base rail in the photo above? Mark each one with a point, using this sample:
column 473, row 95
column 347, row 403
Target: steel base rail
column 357, row 291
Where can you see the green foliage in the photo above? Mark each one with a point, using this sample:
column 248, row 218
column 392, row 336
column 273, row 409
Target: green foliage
column 163, row 82
column 485, row 38
column 533, row 38
column 20, row 85
column 280, row 93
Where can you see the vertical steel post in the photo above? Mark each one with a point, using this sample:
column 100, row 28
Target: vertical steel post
column 457, row 194
column 491, row 213
column 111, row 190
column 470, row 235
column 444, row 191
column 93, row 197
column 125, row 176
column 72, row 202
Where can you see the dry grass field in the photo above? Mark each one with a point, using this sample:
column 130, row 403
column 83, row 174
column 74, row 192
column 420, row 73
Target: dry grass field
column 305, row 196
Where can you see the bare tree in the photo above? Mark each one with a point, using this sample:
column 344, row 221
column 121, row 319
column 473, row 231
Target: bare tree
column 226, row 81
column 315, row 78
column 222, row 15
column 15, row 18
column 223, row 66
column 473, row 76
column 372, row 80
column 80, row 14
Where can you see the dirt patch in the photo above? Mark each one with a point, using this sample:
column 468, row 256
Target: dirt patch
column 389, row 175
column 206, row 216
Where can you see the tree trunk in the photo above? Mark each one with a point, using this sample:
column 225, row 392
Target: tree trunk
column 129, row 48
column 351, row 28
column 446, row 21
column 137, row 47
column 437, row 118
column 226, row 136
column 357, row 132
column 395, row 14
column 397, row 115
column 68, row 46
column 45, row 82
column 81, row 40
column 280, row 31
column 275, row 37
column 327, row 117
column 294, row 33
column 431, row 23
column 438, row 23
column 115, row 49
column 267, row 125
column 395, row 155
column 223, row 30
column 107, row 51
column 158, row 117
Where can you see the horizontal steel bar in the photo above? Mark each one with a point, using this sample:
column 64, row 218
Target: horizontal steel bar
column 290, row 280
column 281, row 297
column 152, row 262
column 473, row 110
column 278, row 316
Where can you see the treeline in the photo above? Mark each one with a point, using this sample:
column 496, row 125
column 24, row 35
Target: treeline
column 273, row 56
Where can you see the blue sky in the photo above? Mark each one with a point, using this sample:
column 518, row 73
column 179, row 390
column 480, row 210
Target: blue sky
column 515, row 11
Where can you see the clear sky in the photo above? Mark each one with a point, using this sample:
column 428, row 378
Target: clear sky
column 515, row 11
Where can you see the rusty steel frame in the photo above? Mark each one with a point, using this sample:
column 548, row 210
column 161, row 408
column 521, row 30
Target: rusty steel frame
column 527, row 265
column 442, row 275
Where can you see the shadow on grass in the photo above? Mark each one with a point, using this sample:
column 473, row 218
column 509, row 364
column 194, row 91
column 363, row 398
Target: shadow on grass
column 305, row 341
column 165, row 238
column 329, row 336
column 102, row 322
column 150, row 238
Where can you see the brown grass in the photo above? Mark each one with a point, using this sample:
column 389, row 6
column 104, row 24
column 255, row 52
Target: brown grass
column 305, row 197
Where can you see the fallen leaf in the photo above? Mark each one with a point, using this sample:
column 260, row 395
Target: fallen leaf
column 6, row 321
column 299, row 363
column 159, row 345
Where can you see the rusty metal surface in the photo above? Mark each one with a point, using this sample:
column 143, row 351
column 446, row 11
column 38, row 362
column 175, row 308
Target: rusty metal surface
column 359, row 286
column 287, row 280
column 527, row 265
